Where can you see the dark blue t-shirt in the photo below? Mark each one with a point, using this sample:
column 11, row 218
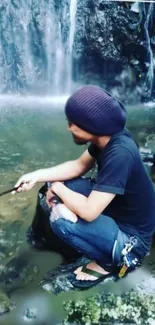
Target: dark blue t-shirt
column 121, row 171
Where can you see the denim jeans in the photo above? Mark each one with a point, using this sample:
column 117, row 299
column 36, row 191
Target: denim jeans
column 100, row 240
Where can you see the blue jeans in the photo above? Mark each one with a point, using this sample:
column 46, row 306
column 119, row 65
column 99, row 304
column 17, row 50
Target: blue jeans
column 100, row 240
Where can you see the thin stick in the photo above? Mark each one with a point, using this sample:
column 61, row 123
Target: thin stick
column 9, row 191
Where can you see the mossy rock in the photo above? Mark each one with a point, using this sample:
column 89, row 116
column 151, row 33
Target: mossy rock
column 131, row 308
column 17, row 273
column 5, row 303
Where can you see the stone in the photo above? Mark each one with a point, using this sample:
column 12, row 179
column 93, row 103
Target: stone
column 106, row 34
column 30, row 314
column 5, row 303
column 17, row 273
column 107, row 308
column 57, row 281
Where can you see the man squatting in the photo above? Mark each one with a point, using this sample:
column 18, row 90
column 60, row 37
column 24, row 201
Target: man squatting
column 105, row 213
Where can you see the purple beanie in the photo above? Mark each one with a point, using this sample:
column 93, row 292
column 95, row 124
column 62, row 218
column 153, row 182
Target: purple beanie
column 95, row 111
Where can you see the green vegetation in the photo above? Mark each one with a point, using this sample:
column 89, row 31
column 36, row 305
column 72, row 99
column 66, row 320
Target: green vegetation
column 5, row 303
column 131, row 308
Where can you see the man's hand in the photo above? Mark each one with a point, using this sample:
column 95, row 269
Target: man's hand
column 49, row 197
column 87, row 208
column 26, row 182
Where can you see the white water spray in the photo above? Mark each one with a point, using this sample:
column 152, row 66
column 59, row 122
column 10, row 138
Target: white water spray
column 73, row 10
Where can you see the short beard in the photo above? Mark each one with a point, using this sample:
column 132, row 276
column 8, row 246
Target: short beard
column 79, row 142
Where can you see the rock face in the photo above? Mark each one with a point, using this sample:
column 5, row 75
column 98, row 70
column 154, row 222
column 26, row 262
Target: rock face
column 114, row 44
column 46, row 45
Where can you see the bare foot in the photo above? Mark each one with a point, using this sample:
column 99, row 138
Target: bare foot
column 92, row 266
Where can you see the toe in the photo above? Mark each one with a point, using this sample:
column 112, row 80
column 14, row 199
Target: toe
column 80, row 276
column 78, row 270
column 90, row 278
column 85, row 277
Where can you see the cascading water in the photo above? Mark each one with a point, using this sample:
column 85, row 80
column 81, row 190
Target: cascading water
column 73, row 10
column 36, row 41
column 40, row 38
column 150, row 59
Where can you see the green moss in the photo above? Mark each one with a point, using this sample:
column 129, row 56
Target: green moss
column 5, row 303
column 87, row 312
column 130, row 308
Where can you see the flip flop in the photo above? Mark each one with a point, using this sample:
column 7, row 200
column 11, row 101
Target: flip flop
column 84, row 284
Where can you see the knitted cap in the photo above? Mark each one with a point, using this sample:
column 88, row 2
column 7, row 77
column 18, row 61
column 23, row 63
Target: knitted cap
column 95, row 111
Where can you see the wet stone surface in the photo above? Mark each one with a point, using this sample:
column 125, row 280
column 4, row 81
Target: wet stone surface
column 57, row 280
column 10, row 240
column 109, row 309
column 148, row 284
column 15, row 270
column 16, row 274
column 30, row 314
column 5, row 303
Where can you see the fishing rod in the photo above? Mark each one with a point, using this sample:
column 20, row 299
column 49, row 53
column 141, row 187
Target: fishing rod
column 56, row 199
column 10, row 190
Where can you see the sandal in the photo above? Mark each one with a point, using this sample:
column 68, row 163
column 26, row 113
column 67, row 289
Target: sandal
column 84, row 284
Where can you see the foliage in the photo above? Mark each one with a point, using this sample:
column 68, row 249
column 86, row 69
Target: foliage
column 131, row 308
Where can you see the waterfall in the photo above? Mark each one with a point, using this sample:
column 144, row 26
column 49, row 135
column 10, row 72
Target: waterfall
column 73, row 9
column 25, row 19
column 150, row 59
column 36, row 43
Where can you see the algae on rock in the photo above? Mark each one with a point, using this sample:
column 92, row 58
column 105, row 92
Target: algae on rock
column 130, row 308
column 5, row 303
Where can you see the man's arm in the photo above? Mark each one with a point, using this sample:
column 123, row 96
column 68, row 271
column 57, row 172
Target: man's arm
column 86, row 208
column 111, row 180
column 62, row 172
column 67, row 170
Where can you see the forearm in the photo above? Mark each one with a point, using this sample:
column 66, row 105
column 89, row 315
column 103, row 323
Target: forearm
column 74, row 201
column 62, row 172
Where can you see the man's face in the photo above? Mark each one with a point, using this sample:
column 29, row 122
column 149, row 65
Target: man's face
column 80, row 136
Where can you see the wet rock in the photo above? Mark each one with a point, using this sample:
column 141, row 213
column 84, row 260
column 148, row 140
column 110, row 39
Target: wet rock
column 30, row 314
column 57, row 280
column 58, row 284
column 5, row 303
column 111, row 47
column 10, row 239
column 133, row 307
column 106, row 308
column 148, row 285
column 17, row 273
column 147, row 155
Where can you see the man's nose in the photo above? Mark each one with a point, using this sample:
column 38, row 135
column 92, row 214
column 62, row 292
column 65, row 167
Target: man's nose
column 70, row 127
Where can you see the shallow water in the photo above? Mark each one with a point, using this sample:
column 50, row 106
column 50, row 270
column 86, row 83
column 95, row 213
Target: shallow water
column 32, row 137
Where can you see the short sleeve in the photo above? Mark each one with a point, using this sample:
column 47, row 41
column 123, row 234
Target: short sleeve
column 93, row 150
column 115, row 171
